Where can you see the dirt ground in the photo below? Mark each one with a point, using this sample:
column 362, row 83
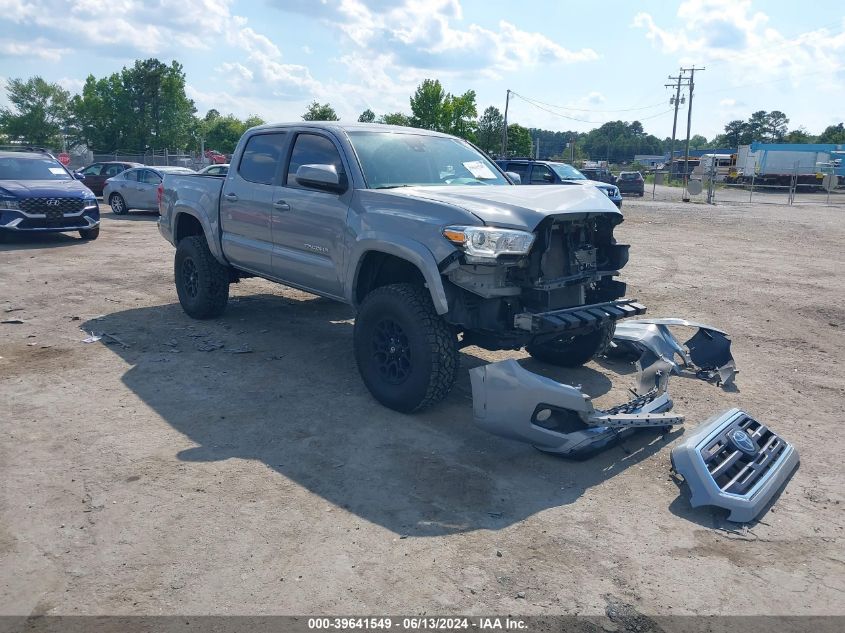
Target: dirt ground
column 240, row 466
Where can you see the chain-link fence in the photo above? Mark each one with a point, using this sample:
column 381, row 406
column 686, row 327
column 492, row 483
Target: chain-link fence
column 157, row 158
column 788, row 189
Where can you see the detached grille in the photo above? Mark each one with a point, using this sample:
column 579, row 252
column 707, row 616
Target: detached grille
column 52, row 206
column 734, row 468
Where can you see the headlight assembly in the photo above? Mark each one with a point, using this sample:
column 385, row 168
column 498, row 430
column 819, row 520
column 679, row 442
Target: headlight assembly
column 489, row 242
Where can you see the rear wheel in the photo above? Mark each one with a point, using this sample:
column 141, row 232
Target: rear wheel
column 406, row 353
column 202, row 282
column 90, row 234
column 118, row 204
column 573, row 350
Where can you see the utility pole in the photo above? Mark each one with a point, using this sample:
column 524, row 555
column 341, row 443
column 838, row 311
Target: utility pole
column 677, row 101
column 689, row 120
column 505, row 128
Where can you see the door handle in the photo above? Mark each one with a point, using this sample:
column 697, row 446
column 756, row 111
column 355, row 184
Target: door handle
column 231, row 197
column 281, row 205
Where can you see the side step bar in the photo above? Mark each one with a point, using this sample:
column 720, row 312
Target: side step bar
column 578, row 317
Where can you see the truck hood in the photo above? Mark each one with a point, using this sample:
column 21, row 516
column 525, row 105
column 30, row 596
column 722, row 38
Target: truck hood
column 44, row 188
column 514, row 206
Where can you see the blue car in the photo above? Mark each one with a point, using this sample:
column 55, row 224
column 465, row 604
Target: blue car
column 38, row 195
column 550, row 172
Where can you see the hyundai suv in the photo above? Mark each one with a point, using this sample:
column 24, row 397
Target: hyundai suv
column 547, row 172
column 37, row 194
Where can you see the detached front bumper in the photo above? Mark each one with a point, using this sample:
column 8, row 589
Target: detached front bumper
column 515, row 403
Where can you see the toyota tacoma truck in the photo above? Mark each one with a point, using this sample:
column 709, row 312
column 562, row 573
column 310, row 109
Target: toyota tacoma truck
column 424, row 235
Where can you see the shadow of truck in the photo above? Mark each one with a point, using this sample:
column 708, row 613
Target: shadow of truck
column 274, row 380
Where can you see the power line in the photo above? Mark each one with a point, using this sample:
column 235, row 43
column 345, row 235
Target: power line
column 536, row 104
column 560, row 107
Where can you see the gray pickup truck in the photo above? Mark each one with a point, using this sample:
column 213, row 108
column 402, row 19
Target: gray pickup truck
column 421, row 232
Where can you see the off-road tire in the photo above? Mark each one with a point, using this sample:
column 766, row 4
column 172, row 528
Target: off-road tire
column 202, row 282
column 573, row 351
column 118, row 204
column 90, row 234
column 428, row 373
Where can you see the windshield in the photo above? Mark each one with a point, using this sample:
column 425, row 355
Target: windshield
column 13, row 168
column 567, row 172
column 391, row 160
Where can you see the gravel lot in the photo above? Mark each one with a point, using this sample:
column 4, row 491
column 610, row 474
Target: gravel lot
column 240, row 466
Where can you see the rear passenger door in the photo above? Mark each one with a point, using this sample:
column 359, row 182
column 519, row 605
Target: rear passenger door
column 309, row 225
column 246, row 202
column 148, row 182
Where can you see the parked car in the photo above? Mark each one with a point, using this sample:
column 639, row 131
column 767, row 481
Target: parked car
column 631, row 182
column 137, row 188
column 601, row 174
column 548, row 172
column 38, row 194
column 215, row 170
column 95, row 175
column 418, row 230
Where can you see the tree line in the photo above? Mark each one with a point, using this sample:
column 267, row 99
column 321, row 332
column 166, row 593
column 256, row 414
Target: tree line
column 145, row 107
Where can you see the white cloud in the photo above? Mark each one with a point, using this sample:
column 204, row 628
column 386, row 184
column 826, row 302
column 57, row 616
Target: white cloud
column 39, row 48
column 427, row 34
column 740, row 43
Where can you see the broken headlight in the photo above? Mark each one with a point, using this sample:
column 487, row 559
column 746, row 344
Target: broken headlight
column 489, row 242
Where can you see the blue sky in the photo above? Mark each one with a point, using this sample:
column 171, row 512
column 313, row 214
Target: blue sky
column 584, row 62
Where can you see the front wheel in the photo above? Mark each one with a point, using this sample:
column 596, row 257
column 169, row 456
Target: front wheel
column 90, row 234
column 118, row 204
column 202, row 282
column 406, row 353
column 573, row 350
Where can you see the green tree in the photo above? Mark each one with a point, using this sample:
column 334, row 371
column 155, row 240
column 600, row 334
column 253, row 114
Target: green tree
column 459, row 114
column 489, row 130
column 775, row 126
column 367, row 116
column 320, row 112
column 427, row 105
column 142, row 107
column 698, row 141
column 39, row 112
column 799, row 136
column 519, row 140
column 833, row 134
column 395, row 118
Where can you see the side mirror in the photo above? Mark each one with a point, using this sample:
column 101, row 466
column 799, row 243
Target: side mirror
column 78, row 175
column 321, row 177
column 515, row 177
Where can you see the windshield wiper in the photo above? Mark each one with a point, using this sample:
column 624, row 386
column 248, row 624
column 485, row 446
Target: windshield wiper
column 392, row 186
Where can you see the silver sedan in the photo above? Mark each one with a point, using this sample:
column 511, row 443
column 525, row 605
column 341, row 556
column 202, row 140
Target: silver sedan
column 137, row 188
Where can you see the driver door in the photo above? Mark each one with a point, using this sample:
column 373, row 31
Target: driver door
column 309, row 225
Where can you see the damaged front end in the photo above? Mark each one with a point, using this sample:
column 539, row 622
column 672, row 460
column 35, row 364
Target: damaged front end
column 512, row 402
column 562, row 285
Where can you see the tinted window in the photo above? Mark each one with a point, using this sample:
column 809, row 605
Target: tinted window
column 92, row 170
column 542, row 174
column 261, row 157
column 312, row 149
column 519, row 168
column 113, row 170
column 150, row 177
column 131, row 175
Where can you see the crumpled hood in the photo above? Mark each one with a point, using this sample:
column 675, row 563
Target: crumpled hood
column 515, row 206
column 45, row 188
